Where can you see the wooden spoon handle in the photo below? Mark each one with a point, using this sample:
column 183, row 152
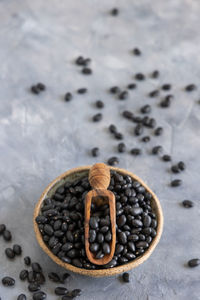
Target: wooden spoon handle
column 111, row 200
column 99, row 176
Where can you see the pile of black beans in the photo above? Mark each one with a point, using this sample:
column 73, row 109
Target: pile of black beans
column 61, row 222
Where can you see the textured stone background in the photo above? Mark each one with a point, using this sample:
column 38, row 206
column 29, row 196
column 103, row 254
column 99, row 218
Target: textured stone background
column 42, row 136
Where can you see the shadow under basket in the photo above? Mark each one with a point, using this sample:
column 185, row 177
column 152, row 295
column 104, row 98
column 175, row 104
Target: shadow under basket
column 79, row 173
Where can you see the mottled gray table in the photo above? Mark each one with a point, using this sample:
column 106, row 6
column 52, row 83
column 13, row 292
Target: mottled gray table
column 42, row 136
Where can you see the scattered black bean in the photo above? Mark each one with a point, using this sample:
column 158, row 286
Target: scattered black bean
column 123, row 95
column 21, row 297
column 139, row 76
column 187, row 203
column 127, row 114
column 176, row 182
column 155, row 74
column 175, row 169
column 112, row 128
column 114, row 12
column 82, row 91
column 60, row 291
column 34, row 287
column 146, row 109
column 95, row 151
column 9, row 253
column 8, row 281
column 181, row 165
column 166, row 157
column 131, row 86
column 36, row 267
column 166, row 87
column 39, row 296
column 2, row 228
column 194, row 262
column 119, row 136
column 17, row 249
column 138, row 129
column 121, row 147
column 125, row 277
column 137, row 52
column 68, row 97
column 23, row 274
column 190, row 87
column 54, row 277
column 157, row 149
column 87, row 71
column 158, row 131
column 99, row 104
column 7, row 235
column 35, row 90
column 114, row 90
column 98, row 117
column 136, row 151
column 154, row 93
column 27, row 260
column 146, row 139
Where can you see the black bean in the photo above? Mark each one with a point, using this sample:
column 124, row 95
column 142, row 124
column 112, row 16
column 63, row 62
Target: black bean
column 125, row 277
column 86, row 71
column 80, row 61
column 138, row 129
column 98, row 117
column 41, row 219
column 121, row 221
column 2, row 228
column 8, row 281
column 104, row 229
column 131, row 246
column 133, row 237
column 176, row 182
column 68, row 97
column 39, row 296
column 181, row 165
column 31, row 276
column 122, row 238
column 119, row 136
column 137, row 119
column 99, row 255
column 127, row 114
column 155, row 74
column 34, row 287
column 94, row 223
column 142, row 244
column 190, row 87
column 137, row 223
column 114, row 89
column 166, row 102
column 64, row 277
column 158, row 131
column 187, row 203
column 76, row 292
column 112, row 128
column 166, row 157
column 95, row 151
column 108, row 237
column 48, row 229
column 9, row 253
column 60, row 291
column 54, row 277
column 194, row 262
column 157, row 150
column 27, row 260
column 36, row 267
column 40, row 278
column 137, row 52
column 94, row 247
column 114, row 12
column 136, row 151
column 146, row 139
column 131, row 86
column 135, row 211
column 123, row 95
column 111, row 264
column 76, row 262
column 23, row 274
column 100, row 238
column 99, row 104
column 121, row 147
column 82, row 91
column 92, row 236
column 152, row 123
column 166, row 87
column 147, row 221
column 21, row 297
column 146, row 109
column 175, row 169
column 112, row 161
column 35, row 90
column 139, row 76
column 106, row 248
column 154, row 93
column 17, row 249
column 7, row 235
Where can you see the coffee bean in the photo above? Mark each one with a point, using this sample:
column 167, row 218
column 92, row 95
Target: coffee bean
column 86, row 71
column 54, row 277
column 131, row 86
column 194, row 262
column 39, row 296
column 95, row 152
column 187, row 203
column 27, row 260
column 136, row 151
column 17, row 249
column 106, row 248
column 34, row 287
column 60, row 291
column 158, row 131
column 115, row 90
column 112, row 161
column 7, row 235
column 190, row 87
column 10, row 253
column 166, row 157
column 146, row 139
column 8, row 281
column 139, row 76
column 138, row 129
column 125, row 277
column 166, row 87
column 176, row 182
column 114, row 12
column 21, row 297
column 23, row 274
column 2, row 228
column 155, row 74
column 146, row 109
column 68, row 97
column 157, row 150
column 123, row 95
column 82, row 91
column 154, row 93
column 181, row 165
column 99, row 104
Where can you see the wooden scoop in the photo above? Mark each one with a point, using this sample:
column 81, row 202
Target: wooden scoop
column 99, row 178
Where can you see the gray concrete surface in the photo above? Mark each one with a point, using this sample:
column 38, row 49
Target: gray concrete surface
column 42, row 136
